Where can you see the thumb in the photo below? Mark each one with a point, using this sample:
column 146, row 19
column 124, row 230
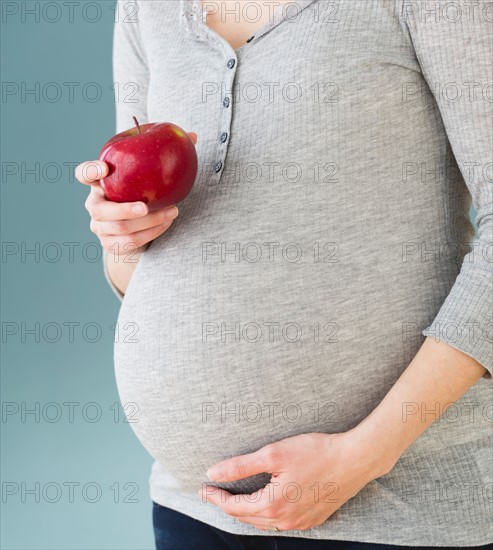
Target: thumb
column 91, row 172
column 193, row 137
column 242, row 466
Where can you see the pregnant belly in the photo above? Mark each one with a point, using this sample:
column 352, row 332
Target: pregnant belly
column 216, row 364
column 191, row 410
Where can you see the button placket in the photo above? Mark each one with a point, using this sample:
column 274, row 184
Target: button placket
column 226, row 106
column 198, row 27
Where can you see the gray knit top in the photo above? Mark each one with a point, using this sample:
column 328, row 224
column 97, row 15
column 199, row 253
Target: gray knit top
column 326, row 234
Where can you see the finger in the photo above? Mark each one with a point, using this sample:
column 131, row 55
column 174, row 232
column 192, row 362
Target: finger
column 91, row 172
column 103, row 210
column 129, row 226
column 265, row 460
column 193, row 137
column 236, row 505
column 121, row 245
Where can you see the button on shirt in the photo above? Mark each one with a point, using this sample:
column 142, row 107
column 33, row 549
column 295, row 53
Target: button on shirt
column 326, row 235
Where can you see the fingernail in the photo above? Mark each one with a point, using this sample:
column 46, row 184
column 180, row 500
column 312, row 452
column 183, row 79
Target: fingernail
column 139, row 208
column 209, row 474
column 173, row 212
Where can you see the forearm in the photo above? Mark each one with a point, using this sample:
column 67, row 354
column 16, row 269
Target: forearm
column 437, row 377
column 121, row 267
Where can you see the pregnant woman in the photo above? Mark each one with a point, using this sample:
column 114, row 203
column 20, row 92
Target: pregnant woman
column 311, row 354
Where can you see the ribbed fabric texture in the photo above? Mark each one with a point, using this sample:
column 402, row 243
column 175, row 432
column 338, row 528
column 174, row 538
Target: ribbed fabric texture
column 326, row 234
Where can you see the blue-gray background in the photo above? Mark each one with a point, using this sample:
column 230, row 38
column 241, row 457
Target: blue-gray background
column 47, row 206
column 73, row 475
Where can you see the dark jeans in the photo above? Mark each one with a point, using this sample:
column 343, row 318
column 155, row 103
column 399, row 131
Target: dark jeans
column 176, row 531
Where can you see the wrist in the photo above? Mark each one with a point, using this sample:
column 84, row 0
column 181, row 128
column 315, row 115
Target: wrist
column 375, row 448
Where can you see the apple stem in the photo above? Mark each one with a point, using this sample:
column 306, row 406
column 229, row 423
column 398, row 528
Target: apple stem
column 137, row 124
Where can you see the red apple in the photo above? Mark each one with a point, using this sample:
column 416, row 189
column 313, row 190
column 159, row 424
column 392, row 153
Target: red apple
column 155, row 163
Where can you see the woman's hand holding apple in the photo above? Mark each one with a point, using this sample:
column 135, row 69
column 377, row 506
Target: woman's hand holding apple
column 122, row 227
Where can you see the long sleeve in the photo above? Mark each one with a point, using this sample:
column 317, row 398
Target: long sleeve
column 130, row 69
column 131, row 77
column 456, row 49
